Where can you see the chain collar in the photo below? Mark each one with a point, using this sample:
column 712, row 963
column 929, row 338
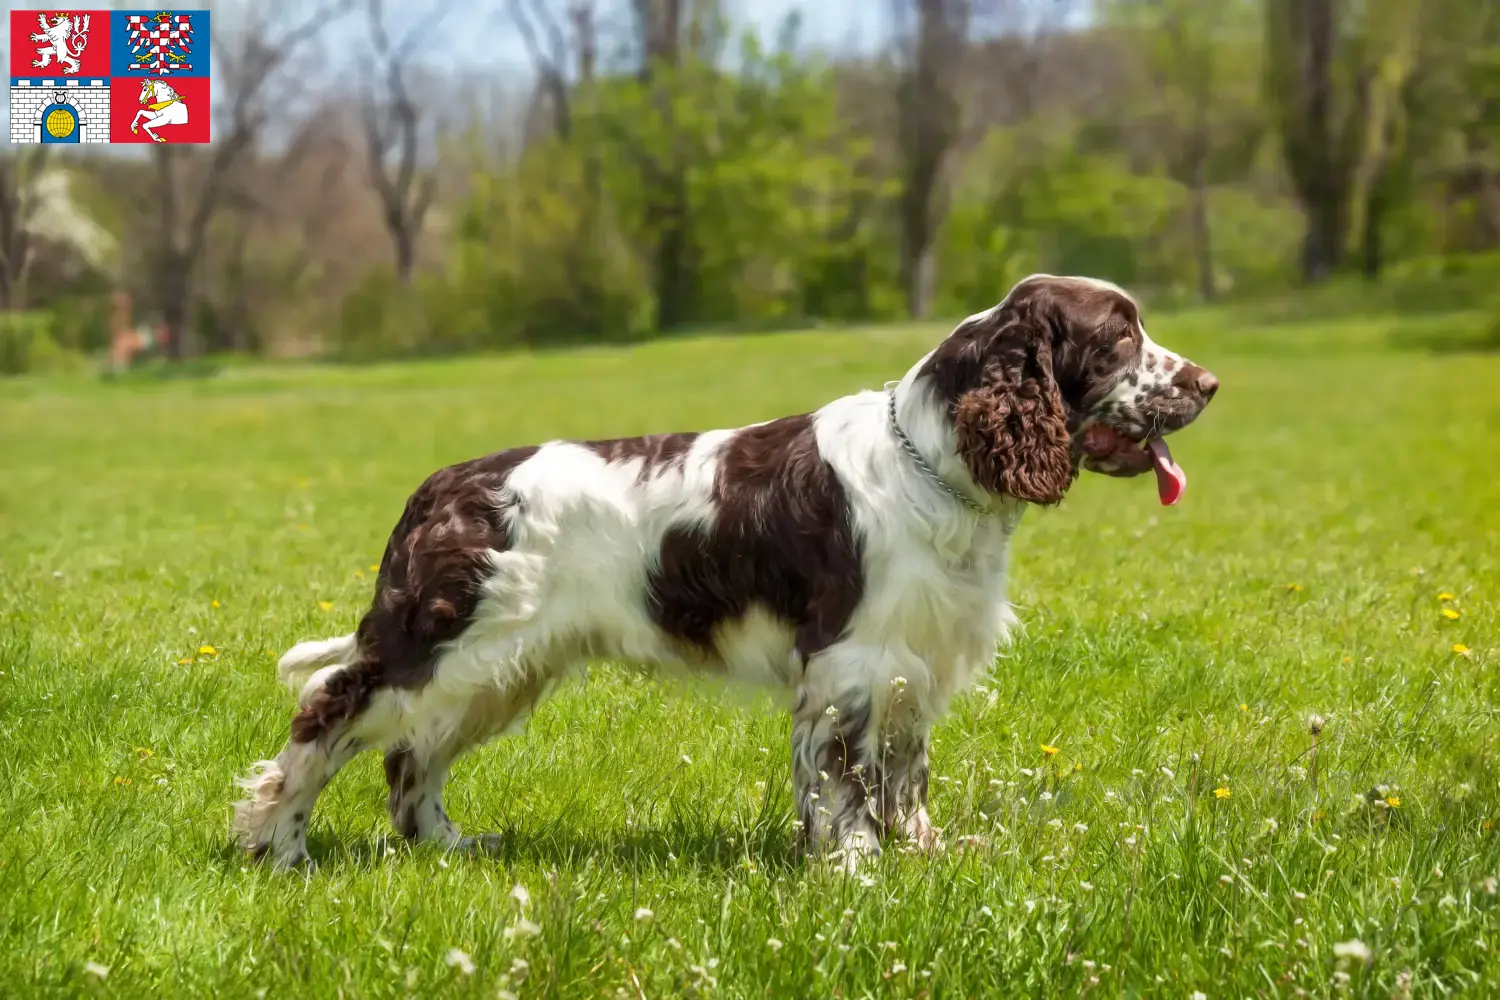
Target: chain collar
column 921, row 463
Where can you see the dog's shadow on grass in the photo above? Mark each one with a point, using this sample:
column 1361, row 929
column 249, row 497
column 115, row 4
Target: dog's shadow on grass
column 720, row 847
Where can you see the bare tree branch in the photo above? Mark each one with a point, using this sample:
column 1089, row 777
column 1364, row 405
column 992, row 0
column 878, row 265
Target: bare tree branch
column 393, row 132
column 550, row 62
column 251, row 61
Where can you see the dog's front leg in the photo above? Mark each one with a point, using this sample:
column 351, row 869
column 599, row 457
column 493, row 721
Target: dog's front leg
column 903, row 798
column 833, row 777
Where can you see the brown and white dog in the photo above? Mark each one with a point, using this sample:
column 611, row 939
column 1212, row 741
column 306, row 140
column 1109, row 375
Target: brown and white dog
column 854, row 557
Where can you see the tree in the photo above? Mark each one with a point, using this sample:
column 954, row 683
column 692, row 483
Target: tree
column 1389, row 43
column 393, row 134
column 1195, row 57
column 929, row 43
column 1336, row 77
column 192, row 185
column 1317, row 134
column 19, row 172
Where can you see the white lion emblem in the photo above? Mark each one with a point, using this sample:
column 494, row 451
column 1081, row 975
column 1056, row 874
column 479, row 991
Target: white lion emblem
column 67, row 41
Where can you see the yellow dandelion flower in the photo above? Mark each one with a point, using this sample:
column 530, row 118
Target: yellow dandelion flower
column 184, row 661
column 1077, row 767
column 1221, row 792
column 207, row 651
column 1318, row 815
column 1244, row 707
column 1394, row 801
column 1460, row 649
column 325, row 605
column 144, row 752
column 1488, row 825
column 1452, row 614
column 213, row 604
column 359, row 574
column 374, row 567
column 1050, row 751
column 1348, row 659
column 123, row 781
column 1445, row 596
column 1293, row 588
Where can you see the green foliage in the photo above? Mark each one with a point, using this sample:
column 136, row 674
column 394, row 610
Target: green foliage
column 381, row 319
column 559, row 246
column 536, row 262
column 29, row 344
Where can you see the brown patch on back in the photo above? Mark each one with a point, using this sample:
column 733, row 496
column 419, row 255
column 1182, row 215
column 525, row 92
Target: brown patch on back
column 427, row 588
column 659, row 452
column 782, row 538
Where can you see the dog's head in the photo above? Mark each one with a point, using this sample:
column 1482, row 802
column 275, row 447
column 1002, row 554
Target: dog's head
column 1058, row 376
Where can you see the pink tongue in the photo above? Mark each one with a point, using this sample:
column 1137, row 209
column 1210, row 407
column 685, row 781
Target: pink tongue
column 1170, row 479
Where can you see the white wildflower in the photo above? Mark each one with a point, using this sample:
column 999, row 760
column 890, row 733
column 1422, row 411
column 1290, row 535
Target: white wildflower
column 643, row 914
column 773, row 944
column 522, row 928
column 95, row 969
column 1355, row 949
column 520, row 895
column 457, row 959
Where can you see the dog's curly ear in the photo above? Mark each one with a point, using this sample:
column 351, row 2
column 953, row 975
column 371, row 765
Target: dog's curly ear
column 1013, row 426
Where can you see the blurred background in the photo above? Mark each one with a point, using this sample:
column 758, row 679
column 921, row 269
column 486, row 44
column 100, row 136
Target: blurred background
column 392, row 179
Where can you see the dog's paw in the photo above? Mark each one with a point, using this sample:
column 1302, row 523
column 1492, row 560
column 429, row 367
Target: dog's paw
column 477, row 846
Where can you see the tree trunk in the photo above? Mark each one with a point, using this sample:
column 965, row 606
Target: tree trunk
column 674, row 270
column 917, row 273
column 175, row 305
column 928, row 120
column 668, row 215
column 404, row 243
column 1323, row 243
column 1301, row 37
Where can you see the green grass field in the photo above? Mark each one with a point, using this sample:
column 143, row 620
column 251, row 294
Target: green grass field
column 1336, row 554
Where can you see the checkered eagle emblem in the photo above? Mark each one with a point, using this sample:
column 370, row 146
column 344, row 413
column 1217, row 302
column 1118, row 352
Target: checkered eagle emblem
column 160, row 43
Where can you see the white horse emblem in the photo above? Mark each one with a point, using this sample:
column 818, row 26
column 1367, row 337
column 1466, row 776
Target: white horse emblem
column 65, row 37
column 163, row 107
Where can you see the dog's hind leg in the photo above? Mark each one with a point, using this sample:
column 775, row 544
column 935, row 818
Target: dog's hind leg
column 416, row 769
column 340, row 715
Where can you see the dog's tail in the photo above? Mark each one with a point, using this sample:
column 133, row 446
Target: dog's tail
column 306, row 658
